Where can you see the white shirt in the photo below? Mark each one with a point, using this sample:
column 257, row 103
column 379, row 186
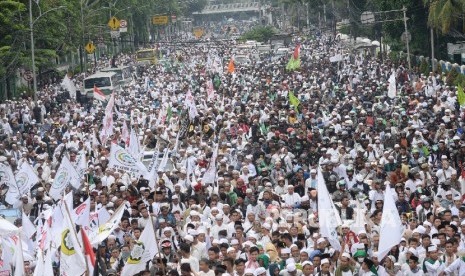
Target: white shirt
column 291, row 200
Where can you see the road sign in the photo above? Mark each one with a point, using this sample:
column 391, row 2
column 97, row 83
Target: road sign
column 173, row 19
column 27, row 75
column 160, row 20
column 114, row 34
column 114, row 23
column 367, row 17
column 90, row 48
column 198, row 32
column 405, row 36
column 123, row 23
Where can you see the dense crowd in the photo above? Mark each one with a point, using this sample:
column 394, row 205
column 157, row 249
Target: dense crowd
column 258, row 215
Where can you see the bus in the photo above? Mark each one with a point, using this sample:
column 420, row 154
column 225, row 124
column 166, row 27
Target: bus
column 123, row 73
column 107, row 82
column 147, row 56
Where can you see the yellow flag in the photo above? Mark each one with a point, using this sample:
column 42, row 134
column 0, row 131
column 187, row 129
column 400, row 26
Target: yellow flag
column 460, row 95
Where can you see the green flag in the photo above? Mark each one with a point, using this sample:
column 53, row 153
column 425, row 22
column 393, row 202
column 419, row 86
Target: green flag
column 293, row 64
column 293, row 100
column 460, row 95
column 169, row 114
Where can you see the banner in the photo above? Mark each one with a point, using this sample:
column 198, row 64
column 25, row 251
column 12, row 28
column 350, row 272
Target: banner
column 65, row 175
column 327, row 214
column 107, row 128
column 125, row 134
column 210, row 174
column 121, row 159
column 25, row 178
column 392, row 93
column 134, row 145
column 210, row 90
column 391, row 228
column 81, row 165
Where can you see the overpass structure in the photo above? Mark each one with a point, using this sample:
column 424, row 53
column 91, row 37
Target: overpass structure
column 230, row 8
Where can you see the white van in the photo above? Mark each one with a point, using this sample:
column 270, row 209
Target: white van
column 107, row 82
column 123, row 73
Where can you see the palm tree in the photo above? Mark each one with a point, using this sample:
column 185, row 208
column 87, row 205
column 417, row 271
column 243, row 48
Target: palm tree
column 444, row 15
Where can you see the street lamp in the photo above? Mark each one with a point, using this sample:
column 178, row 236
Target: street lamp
column 31, row 27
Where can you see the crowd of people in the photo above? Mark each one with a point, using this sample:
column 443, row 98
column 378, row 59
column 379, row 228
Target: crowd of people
column 259, row 216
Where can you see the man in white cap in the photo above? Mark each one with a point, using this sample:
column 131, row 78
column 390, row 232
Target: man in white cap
column 432, row 265
column 291, row 270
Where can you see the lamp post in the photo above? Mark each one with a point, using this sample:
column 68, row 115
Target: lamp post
column 31, row 27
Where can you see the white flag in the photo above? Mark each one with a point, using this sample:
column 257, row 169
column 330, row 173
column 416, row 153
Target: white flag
column 392, row 92
column 210, row 90
column 72, row 261
column 107, row 128
column 81, row 165
column 121, row 159
column 125, row 134
column 65, row 175
column 134, row 145
column 143, row 251
column 25, row 178
column 81, row 214
column 68, row 84
column 7, row 178
column 19, row 260
column 27, row 227
column 327, row 214
column 152, row 169
column 40, row 265
column 7, row 228
column 106, row 229
column 210, row 174
column 391, row 226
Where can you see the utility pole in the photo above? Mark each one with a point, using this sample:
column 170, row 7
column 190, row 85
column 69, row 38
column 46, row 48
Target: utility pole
column 308, row 17
column 324, row 12
column 433, row 68
column 34, row 77
column 404, row 9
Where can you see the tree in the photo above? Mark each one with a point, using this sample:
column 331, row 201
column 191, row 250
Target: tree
column 444, row 15
column 11, row 37
column 260, row 34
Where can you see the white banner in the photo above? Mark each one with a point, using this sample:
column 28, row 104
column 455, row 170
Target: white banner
column 65, row 175
column 134, row 145
column 81, row 165
column 391, row 228
column 327, row 214
column 210, row 174
column 121, row 159
column 392, row 92
column 107, row 128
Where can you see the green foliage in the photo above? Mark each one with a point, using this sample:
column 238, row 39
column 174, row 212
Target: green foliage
column 424, row 67
column 260, row 34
